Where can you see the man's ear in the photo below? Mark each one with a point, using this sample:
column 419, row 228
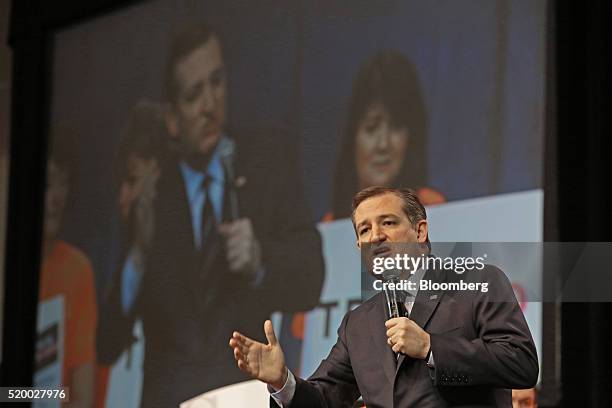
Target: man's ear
column 356, row 237
column 422, row 230
column 171, row 121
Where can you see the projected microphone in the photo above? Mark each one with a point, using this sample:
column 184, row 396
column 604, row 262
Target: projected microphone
column 226, row 153
column 395, row 298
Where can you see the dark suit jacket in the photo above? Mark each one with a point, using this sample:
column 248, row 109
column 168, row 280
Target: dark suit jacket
column 189, row 310
column 480, row 342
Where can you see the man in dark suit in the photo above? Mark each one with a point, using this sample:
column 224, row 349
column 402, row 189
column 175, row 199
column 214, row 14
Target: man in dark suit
column 455, row 348
column 231, row 227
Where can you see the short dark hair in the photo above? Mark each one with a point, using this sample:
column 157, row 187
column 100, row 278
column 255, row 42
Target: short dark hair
column 144, row 136
column 391, row 79
column 411, row 205
column 183, row 44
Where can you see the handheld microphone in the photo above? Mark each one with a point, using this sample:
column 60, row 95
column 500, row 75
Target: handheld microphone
column 227, row 148
column 394, row 298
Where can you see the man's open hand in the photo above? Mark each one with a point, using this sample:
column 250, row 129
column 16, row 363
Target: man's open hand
column 405, row 336
column 265, row 362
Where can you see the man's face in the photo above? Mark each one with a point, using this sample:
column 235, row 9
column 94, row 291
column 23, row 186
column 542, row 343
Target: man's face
column 55, row 199
column 524, row 398
column 197, row 117
column 380, row 148
column 382, row 219
column 139, row 183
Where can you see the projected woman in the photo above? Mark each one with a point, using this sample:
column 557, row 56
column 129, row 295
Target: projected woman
column 386, row 133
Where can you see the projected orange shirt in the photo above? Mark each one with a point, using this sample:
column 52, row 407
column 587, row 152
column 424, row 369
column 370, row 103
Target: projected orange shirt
column 68, row 272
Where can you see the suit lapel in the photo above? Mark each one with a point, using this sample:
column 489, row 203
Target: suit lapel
column 427, row 300
column 199, row 263
column 177, row 207
column 213, row 247
column 425, row 304
column 213, row 251
column 376, row 318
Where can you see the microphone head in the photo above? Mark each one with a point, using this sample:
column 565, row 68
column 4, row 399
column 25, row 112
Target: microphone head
column 227, row 148
column 390, row 275
column 226, row 154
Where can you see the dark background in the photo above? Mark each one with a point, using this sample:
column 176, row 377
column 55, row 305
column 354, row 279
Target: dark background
column 577, row 176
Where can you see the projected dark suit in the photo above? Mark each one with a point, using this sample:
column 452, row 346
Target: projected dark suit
column 480, row 342
column 188, row 310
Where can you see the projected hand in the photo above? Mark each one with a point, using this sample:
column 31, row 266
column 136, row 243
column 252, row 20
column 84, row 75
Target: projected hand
column 265, row 362
column 242, row 248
